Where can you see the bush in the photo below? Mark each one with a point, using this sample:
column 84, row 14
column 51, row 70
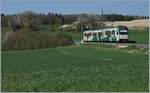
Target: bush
column 9, row 41
column 25, row 40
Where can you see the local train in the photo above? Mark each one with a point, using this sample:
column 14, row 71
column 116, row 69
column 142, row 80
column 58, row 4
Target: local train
column 117, row 34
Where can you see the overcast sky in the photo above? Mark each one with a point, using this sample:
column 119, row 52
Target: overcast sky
column 127, row 7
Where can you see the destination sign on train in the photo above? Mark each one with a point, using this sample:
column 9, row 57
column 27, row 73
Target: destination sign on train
column 123, row 30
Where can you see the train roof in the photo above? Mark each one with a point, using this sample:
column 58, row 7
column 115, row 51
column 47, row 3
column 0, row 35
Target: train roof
column 101, row 30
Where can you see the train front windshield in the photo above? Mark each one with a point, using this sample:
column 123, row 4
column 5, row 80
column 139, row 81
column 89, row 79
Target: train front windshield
column 123, row 30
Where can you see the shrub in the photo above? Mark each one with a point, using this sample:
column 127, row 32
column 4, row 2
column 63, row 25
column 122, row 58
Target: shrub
column 9, row 41
column 25, row 40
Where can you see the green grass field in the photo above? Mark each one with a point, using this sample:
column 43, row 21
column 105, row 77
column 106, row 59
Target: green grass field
column 75, row 68
column 139, row 36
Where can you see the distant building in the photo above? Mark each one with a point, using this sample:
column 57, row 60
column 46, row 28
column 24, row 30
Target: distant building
column 68, row 27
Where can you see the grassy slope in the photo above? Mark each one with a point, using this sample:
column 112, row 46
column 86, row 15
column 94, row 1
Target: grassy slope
column 75, row 68
column 139, row 36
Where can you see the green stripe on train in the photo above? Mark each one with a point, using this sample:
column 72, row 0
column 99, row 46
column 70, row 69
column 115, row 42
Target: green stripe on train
column 108, row 38
column 97, row 38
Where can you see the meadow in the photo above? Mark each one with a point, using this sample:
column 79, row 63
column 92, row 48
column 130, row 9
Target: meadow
column 75, row 68
column 86, row 67
column 141, row 36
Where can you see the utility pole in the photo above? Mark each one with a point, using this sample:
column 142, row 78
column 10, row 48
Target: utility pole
column 102, row 12
column 102, row 17
column 102, row 22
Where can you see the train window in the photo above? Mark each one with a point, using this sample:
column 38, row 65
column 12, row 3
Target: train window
column 123, row 33
column 94, row 34
column 89, row 34
column 117, row 33
column 108, row 33
column 86, row 34
column 113, row 32
column 99, row 33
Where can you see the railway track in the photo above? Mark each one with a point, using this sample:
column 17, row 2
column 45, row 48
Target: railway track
column 128, row 44
column 119, row 44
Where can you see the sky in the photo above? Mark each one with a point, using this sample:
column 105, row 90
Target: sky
column 126, row 7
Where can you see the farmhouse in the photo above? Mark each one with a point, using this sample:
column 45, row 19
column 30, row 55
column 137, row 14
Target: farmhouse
column 68, row 27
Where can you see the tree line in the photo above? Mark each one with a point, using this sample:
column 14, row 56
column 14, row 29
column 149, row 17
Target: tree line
column 38, row 18
column 59, row 19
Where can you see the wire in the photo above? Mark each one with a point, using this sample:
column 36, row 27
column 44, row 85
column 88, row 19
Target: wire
column 138, row 8
column 121, row 3
column 134, row 10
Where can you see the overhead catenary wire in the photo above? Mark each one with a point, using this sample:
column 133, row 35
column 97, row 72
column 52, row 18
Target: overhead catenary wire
column 137, row 9
column 113, row 5
column 123, row 4
column 117, row 5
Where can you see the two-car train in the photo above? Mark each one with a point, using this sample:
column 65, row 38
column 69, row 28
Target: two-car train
column 117, row 34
